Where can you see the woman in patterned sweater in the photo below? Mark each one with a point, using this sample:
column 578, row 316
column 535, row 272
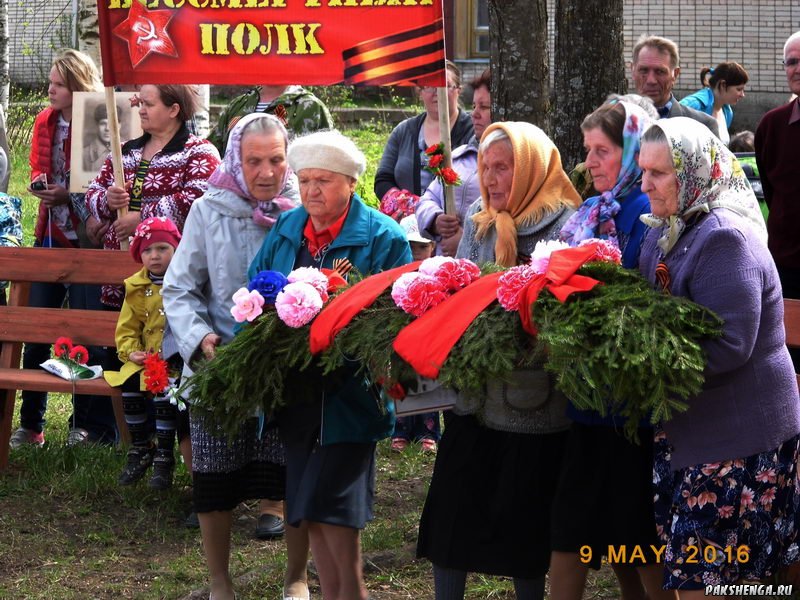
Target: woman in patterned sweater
column 166, row 169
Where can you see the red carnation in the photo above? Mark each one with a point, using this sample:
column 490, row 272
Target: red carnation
column 450, row 177
column 79, row 354
column 604, row 250
column 422, row 294
column 435, row 160
column 456, row 274
column 62, row 347
column 511, row 284
column 433, row 149
column 156, row 373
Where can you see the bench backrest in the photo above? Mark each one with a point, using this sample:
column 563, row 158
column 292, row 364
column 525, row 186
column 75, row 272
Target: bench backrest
column 22, row 266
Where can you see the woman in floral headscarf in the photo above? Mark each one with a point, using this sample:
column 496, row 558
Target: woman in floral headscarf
column 588, row 513
column 611, row 136
column 224, row 230
column 729, row 462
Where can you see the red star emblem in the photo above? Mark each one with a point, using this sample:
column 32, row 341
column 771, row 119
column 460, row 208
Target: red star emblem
column 145, row 31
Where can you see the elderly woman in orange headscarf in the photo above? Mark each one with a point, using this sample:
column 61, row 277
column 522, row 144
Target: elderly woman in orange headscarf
column 488, row 506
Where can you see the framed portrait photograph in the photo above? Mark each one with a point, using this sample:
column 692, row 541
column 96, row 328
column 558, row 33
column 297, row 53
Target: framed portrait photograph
column 91, row 133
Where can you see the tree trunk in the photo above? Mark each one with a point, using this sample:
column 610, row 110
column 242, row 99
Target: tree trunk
column 519, row 61
column 588, row 67
column 5, row 77
column 88, row 30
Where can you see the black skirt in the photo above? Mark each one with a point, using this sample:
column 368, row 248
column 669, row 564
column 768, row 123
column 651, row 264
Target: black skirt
column 605, row 494
column 224, row 491
column 227, row 470
column 332, row 484
column 489, row 503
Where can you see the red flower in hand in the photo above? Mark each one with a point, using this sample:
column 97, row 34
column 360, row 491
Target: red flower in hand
column 450, row 177
column 156, row 373
column 62, row 347
column 79, row 354
column 435, row 160
column 433, row 149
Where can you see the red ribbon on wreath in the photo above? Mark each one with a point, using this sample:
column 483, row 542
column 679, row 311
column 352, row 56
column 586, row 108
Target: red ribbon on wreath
column 560, row 279
column 344, row 307
column 426, row 342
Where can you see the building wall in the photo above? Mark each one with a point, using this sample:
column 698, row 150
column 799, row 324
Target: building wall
column 37, row 28
column 712, row 31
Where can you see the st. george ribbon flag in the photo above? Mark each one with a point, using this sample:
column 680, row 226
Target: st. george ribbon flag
column 311, row 42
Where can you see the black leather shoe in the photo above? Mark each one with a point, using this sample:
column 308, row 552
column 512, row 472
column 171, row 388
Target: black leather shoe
column 269, row 527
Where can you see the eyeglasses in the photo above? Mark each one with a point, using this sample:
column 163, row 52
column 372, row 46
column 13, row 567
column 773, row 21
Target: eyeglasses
column 791, row 62
column 428, row 89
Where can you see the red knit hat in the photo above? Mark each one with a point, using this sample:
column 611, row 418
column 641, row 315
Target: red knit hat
column 152, row 230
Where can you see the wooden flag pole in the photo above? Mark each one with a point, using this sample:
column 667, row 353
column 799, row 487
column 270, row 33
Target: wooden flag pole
column 116, row 152
column 444, row 133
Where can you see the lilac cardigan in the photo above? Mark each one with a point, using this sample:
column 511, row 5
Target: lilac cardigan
column 749, row 403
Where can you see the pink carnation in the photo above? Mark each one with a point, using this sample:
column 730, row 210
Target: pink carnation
column 247, row 305
column 314, row 277
column 605, row 250
column 457, row 274
column 298, row 303
column 400, row 286
column 511, row 284
column 418, row 293
column 430, row 265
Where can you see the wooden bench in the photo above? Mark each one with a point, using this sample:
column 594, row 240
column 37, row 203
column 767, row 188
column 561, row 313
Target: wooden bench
column 20, row 323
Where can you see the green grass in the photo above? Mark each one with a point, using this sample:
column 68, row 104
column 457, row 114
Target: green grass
column 371, row 139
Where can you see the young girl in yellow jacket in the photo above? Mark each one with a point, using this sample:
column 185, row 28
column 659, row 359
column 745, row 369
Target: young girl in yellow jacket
column 140, row 331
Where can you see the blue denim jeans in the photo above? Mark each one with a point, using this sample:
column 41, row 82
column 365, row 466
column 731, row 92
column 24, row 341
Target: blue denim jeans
column 95, row 414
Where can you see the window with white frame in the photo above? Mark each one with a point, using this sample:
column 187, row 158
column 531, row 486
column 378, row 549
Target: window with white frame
column 479, row 20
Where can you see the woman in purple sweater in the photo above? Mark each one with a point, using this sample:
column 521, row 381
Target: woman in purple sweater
column 725, row 470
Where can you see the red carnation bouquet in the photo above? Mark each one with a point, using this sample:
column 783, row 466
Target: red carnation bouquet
column 445, row 175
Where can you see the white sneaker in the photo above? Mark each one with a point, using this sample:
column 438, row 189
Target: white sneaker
column 23, row 436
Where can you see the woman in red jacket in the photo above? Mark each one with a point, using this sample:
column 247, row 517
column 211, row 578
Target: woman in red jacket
column 60, row 216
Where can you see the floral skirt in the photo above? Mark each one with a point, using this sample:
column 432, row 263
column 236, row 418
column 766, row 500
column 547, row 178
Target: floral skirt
column 727, row 521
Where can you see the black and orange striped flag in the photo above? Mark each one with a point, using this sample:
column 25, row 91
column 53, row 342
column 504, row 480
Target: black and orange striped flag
column 402, row 58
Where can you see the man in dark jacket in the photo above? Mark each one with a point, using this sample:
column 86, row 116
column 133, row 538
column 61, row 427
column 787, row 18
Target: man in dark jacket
column 777, row 137
column 655, row 71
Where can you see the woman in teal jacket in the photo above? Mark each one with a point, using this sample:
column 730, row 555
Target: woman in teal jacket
column 726, row 88
column 330, row 437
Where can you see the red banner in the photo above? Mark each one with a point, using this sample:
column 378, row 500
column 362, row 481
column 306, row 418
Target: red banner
column 311, row 42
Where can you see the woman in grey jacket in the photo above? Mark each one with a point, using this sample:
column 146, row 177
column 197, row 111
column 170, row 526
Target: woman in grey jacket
column 224, row 230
